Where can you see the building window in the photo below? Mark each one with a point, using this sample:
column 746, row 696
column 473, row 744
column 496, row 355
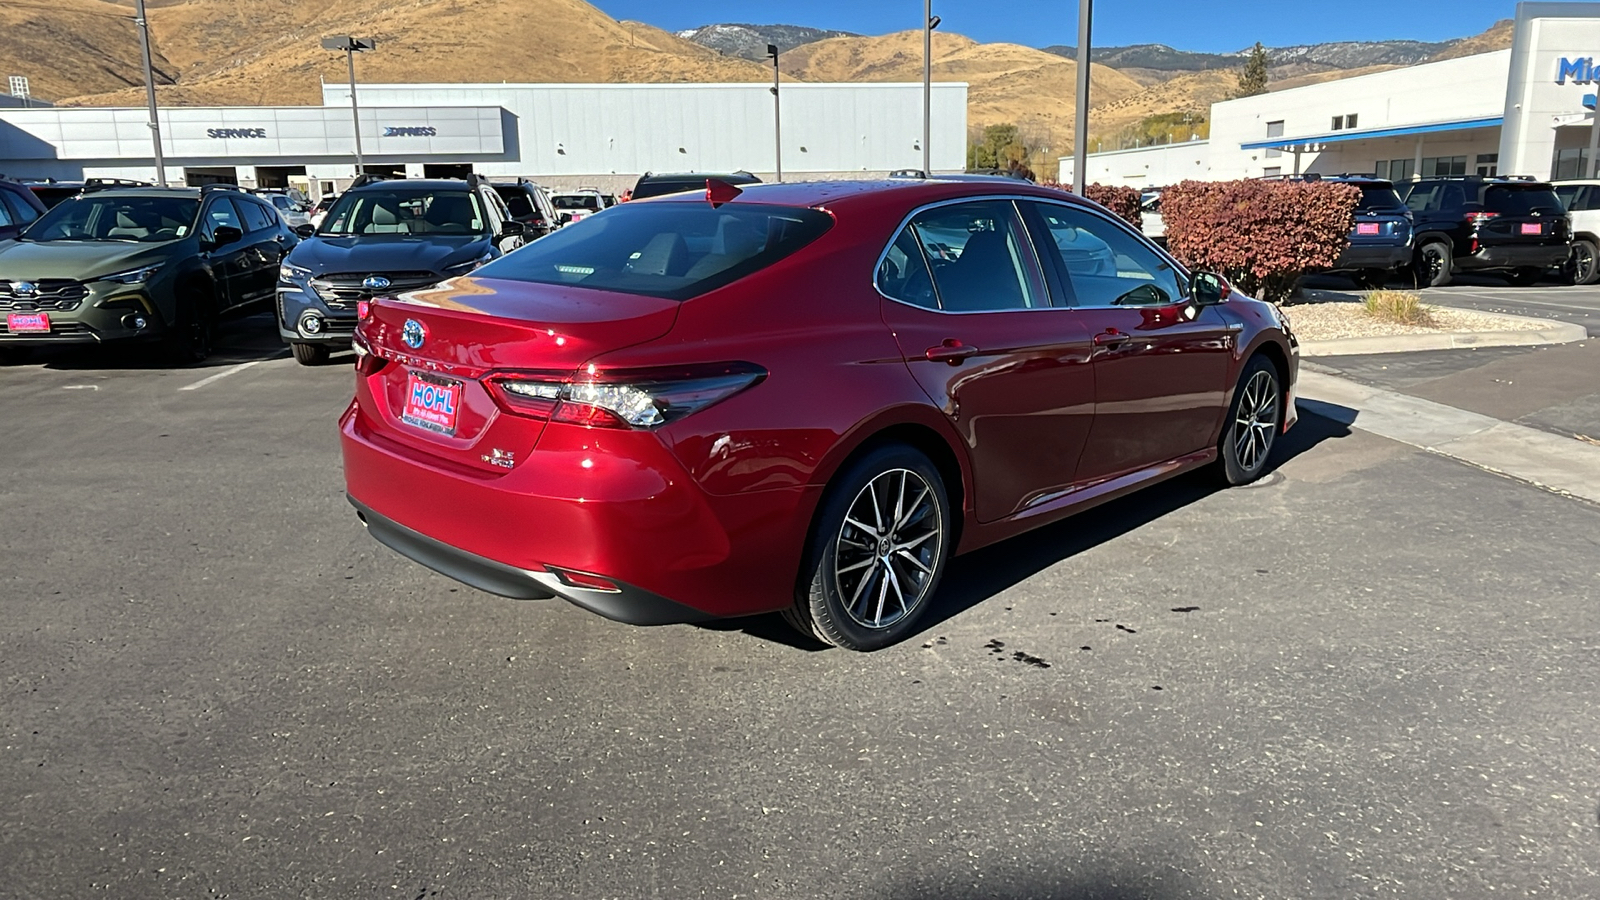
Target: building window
column 1272, row 172
column 1488, row 164
column 1338, row 123
column 1274, row 130
column 1350, row 121
column 1395, row 169
column 1434, row 166
column 1571, row 163
column 1381, row 170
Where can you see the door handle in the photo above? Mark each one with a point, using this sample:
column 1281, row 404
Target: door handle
column 951, row 351
column 1111, row 338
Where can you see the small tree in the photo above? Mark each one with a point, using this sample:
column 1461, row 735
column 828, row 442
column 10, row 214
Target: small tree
column 1253, row 77
column 1000, row 148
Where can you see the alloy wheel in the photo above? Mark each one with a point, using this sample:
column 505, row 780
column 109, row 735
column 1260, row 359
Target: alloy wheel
column 1583, row 262
column 1256, row 422
column 887, row 547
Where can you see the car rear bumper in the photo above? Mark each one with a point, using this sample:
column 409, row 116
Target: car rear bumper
column 1515, row 256
column 591, row 502
column 1379, row 257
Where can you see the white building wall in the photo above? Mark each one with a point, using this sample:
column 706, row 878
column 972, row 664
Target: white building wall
column 628, row 129
column 1541, row 113
column 1158, row 166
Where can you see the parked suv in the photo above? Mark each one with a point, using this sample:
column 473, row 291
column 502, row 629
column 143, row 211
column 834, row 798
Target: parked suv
column 140, row 263
column 1381, row 241
column 1513, row 227
column 383, row 237
column 651, row 184
column 50, row 191
column 530, row 205
column 18, row 208
column 1582, row 201
column 291, row 206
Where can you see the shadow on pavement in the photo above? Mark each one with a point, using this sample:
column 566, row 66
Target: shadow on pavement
column 975, row 577
column 1150, row 881
column 238, row 340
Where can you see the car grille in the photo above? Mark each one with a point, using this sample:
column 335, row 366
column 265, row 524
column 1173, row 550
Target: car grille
column 59, row 294
column 345, row 288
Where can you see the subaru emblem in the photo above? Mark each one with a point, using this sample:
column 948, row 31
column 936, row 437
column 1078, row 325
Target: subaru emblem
column 26, row 289
column 375, row 283
column 413, row 334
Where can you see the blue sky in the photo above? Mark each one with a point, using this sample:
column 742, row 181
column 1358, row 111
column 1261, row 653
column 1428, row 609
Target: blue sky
column 1210, row 25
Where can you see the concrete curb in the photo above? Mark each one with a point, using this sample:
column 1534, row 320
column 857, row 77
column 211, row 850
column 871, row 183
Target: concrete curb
column 1562, row 464
column 1549, row 332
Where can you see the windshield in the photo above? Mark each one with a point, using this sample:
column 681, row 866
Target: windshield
column 97, row 217
column 1511, row 200
column 670, row 250
column 576, row 201
column 405, row 212
column 1380, row 197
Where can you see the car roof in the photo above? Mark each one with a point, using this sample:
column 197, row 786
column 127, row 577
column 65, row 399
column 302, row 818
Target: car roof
column 909, row 191
column 185, row 192
column 413, row 184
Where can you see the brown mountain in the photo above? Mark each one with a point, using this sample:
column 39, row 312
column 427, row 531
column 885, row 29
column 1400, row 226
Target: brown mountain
column 69, row 47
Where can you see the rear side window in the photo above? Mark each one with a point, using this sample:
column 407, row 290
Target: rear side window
column 903, row 275
column 256, row 216
column 670, row 250
column 981, row 257
column 1516, row 200
column 1570, row 195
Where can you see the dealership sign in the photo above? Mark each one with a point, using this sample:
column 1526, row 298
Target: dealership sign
column 409, row 131
column 236, row 132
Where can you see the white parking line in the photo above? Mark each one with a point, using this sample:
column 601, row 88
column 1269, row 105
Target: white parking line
column 231, row 370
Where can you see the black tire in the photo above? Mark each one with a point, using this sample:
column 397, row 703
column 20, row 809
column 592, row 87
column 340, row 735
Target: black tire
column 310, row 354
column 1525, row 277
column 1433, row 264
column 837, row 607
column 1584, row 265
column 1254, row 419
column 188, row 340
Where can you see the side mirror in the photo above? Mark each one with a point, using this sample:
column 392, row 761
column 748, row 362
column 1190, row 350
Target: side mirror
column 510, row 228
column 1208, row 288
column 305, row 231
column 566, row 218
column 223, row 235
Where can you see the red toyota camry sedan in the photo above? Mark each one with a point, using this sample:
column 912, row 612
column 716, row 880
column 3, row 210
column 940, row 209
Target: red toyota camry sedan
column 797, row 397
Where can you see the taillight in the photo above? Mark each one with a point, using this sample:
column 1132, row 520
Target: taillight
column 1478, row 218
column 367, row 362
column 621, row 399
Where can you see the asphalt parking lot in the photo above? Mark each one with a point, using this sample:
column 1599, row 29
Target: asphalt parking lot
column 1371, row 675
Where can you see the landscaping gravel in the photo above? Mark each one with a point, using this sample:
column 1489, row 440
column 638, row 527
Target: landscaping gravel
column 1328, row 320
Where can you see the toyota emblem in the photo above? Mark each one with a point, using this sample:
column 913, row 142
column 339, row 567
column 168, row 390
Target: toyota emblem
column 413, row 334
column 375, row 282
column 25, row 289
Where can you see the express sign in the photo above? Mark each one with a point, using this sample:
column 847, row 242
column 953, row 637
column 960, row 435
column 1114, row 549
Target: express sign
column 409, row 131
column 236, row 132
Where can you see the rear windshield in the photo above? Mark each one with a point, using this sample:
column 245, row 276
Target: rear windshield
column 1512, row 200
column 1380, row 197
column 668, row 186
column 576, row 201
column 670, row 250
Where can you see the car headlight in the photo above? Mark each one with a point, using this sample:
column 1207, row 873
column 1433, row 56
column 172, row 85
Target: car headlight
column 134, row 276
column 469, row 265
column 287, row 272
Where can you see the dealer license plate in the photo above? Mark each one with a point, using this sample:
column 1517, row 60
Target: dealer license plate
column 1532, row 228
column 1367, row 228
column 431, row 403
column 28, row 323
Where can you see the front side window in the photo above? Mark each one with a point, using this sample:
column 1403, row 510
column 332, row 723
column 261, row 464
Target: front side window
column 980, row 257
column 670, row 250
column 102, row 218
column 405, row 212
column 1105, row 264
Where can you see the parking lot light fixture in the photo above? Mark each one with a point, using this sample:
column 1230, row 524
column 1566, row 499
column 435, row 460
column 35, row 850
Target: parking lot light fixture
column 351, row 46
column 777, row 113
column 143, row 24
column 1080, row 139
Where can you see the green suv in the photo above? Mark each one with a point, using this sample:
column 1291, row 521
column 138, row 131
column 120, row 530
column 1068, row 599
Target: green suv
column 152, row 264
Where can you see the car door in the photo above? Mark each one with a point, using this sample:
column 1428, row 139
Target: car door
column 1161, row 363
column 968, row 304
column 264, row 249
column 229, row 265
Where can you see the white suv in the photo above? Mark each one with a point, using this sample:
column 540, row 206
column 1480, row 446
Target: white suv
column 1582, row 200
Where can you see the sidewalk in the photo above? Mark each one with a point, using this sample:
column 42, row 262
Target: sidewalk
column 1530, row 413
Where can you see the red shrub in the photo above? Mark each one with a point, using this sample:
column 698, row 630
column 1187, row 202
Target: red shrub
column 1123, row 202
column 1260, row 235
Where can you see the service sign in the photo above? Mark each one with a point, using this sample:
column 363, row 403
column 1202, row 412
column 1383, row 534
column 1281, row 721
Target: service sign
column 224, row 133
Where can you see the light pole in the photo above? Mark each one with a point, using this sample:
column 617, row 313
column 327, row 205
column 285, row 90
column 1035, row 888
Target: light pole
column 150, row 90
column 929, row 23
column 777, row 112
column 351, row 46
column 1080, row 141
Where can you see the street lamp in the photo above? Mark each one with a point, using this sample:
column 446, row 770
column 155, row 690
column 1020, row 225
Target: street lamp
column 1080, row 141
column 351, row 46
column 929, row 23
column 777, row 114
column 150, row 90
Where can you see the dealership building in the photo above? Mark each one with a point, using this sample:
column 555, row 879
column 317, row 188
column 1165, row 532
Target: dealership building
column 565, row 135
column 1527, row 111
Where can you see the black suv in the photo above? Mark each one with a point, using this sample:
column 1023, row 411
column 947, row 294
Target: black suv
column 382, row 237
column 1513, row 227
column 651, row 184
column 18, row 208
column 50, row 191
column 140, row 263
column 1381, row 241
column 530, row 205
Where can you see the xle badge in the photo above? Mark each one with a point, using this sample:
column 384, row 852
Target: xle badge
column 505, row 459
